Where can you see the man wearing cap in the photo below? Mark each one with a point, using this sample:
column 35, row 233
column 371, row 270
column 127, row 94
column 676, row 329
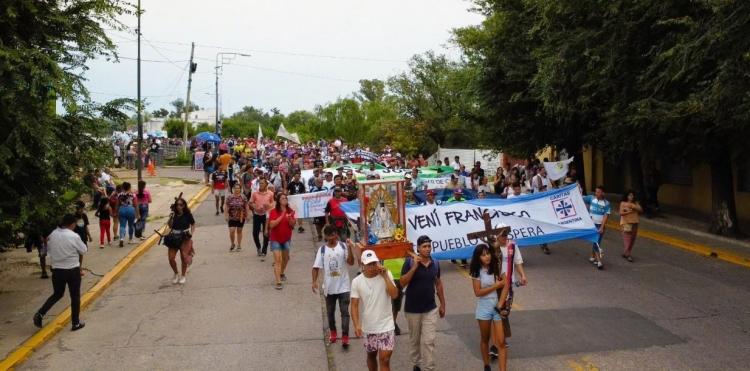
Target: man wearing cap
column 458, row 196
column 373, row 291
column 421, row 276
column 430, row 197
column 408, row 186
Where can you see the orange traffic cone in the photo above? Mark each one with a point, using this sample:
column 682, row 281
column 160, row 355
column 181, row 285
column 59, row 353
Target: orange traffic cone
column 151, row 169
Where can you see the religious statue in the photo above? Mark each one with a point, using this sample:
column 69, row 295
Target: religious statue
column 381, row 222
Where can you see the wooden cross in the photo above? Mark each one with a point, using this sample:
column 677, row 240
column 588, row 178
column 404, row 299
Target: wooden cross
column 488, row 231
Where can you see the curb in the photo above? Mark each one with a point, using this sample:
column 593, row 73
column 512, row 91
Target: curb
column 23, row 351
column 728, row 240
column 700, row 249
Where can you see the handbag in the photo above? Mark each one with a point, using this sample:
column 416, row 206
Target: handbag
column 173, row 240
column 627, row 227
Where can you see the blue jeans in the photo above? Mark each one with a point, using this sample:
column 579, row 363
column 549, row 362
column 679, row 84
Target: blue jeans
column 143, row 209
column 127, row 218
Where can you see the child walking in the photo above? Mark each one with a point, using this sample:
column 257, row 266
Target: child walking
column 104, row 213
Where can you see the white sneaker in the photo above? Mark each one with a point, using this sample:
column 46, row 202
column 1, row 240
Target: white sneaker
column 175, row 279
column 130, row 241
column 182, row 280
column 592, row 260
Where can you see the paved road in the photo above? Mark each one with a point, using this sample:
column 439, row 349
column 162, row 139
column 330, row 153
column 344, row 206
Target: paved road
column 21, row 290
column 668, row 310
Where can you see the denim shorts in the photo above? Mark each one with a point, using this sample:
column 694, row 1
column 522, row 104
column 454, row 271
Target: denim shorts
column 286, row 246
column 486, row 309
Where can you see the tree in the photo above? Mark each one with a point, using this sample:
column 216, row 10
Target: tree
column 179, row 108
column 44, row 46
column 175, row 128
column 160, row 113
column 644, row 80
column 694, row 94
column 437, row 92
column 204, row 126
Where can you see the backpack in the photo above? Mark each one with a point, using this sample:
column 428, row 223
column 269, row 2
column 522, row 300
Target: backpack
column 323, row 249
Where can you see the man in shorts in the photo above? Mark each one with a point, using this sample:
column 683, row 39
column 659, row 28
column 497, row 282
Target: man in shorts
column 373, row 290
column 219, row 187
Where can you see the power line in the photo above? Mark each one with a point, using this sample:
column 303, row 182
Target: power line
column 263, row 68
column 152, row 60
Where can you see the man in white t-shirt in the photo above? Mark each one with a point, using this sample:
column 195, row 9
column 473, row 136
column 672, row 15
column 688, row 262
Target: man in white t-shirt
column 540, row 182
column 330, row 259
column 373, row 291
column 456, row 163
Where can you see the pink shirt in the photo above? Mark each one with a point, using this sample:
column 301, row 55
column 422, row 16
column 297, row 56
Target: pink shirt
column 146, row 197
column 261, row 202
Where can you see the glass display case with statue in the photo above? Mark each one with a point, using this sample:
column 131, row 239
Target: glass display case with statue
column 383, row 218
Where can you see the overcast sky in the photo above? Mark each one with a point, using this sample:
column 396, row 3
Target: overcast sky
column 303, row 52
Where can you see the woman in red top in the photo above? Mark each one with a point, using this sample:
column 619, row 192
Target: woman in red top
column 281, row 221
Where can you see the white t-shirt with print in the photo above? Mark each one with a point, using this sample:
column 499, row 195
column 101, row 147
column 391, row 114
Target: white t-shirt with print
column 377, row 315
column 517, row 259
column 333, row 265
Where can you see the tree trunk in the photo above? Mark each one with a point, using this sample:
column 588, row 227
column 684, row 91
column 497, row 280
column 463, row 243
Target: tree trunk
column 578, row 163
column 723, row 208
column 636, row 175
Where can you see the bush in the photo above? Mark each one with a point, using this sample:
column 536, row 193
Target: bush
column 182, row 159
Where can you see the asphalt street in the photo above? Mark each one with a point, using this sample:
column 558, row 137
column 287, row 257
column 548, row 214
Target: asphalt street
column 669, row 310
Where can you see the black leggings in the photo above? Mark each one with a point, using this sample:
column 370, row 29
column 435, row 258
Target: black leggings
column 259, row 222
column 60, row 278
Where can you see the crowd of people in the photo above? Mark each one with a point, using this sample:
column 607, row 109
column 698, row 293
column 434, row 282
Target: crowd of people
column 251, row 181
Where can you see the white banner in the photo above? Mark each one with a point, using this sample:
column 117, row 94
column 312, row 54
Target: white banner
column 436, row 182
column 534, row 219
column 557, row 170
column 283, row 133
column 310, row 205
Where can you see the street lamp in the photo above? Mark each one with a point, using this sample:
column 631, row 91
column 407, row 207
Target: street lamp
column 219, row 64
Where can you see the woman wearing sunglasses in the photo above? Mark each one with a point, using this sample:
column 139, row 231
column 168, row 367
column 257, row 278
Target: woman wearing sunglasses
column 182, row 223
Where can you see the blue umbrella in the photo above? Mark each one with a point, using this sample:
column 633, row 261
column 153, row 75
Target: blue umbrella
column 208, row 137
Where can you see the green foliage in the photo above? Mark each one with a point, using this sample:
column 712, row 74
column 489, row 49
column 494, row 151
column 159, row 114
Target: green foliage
column 179, row 108
column 649, row 79
column 44, row 46
column 204, row 126
column 160, row 113
column 183, row 158
column 176, row 127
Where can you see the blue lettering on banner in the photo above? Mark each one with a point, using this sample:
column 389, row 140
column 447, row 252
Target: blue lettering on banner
column 527, row 232
column 458, row 217
column 453, row 244
column 425, row 221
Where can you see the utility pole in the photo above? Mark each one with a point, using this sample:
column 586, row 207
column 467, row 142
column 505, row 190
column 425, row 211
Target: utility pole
column 192, row 69
column 139, row 162
column 217, row 130
column 219, row 63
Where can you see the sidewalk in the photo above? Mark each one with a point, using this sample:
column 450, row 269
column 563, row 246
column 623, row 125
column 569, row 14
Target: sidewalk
column 21, row 290
column 689, row 234
column 226, row 316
